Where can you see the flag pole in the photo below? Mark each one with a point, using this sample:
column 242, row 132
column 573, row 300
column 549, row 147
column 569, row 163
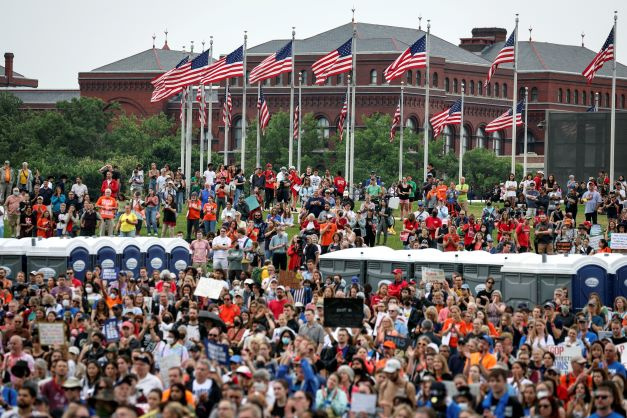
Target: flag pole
column 291, row 141
column 526, row 131
column 596, row 101
column 202, row 127
column 348, row 128
column 300, row 119
column 354, row 80
column 426, row 124
column 258, row 154
column 400, row 147
column 613, row 112
column 187, row 170
column 210, row 117
column 461, row 137
column 514, row 97
column 182, row 119
column 227, row 115
column 243, row 124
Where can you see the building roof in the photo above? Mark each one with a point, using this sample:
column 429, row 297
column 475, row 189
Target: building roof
column 372, row 38
column 34, row 96
column 153, row 60
column 545, row 56
column 15, row 74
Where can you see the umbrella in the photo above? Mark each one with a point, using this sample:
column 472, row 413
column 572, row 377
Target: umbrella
column 213, row 318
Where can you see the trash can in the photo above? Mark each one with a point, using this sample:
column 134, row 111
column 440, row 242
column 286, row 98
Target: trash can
column 104, row 253
column 79, row 257
column 12, row 252
column 131, row 257
column 347, row 263
column 48, row 256
column 179, row 254
column 617, row 270
column 382, row 261
column 590, row 275
column 436, row 259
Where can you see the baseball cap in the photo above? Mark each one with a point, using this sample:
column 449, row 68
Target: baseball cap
column 392, row 365
column 281, row 287
column 355, row 279
column 434, row 346
column 389, row 344
column 244, row 370
column 397, row 271
column 74, row 350
column 465, row 286
column 128, row 324
column 72, row 383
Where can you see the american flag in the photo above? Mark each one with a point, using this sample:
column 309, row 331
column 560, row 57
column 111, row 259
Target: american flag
column 450, row 116
column 264, row 113
column 395, row 122
column 200, row 98
column 228, row 66
column 505, row 120
column 278, row 63
column 343, row 113
column 160, row 92
column 506, row 54
column 296, row 127
column 335, row 62
column 414, row 57
column 189, row 73
column 183, row 100
column 227, row 108
column 605, row 54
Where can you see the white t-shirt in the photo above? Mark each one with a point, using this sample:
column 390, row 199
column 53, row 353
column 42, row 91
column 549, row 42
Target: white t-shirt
column 200, row 388
column 149, row 383
column 79, row 190
column 220, row 254
column 315, row 181
column 508, row 184
column 210, row 176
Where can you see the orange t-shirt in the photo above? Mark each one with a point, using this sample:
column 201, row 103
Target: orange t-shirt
column 441, row 192
column 227, row 314
column 193, row 211
column 107, row 206
column 44, row 223
column 209, row 211
column 604, row 250
column 327, row 236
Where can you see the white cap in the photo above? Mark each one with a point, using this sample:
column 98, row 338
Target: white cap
column 434, row 346
column 392, row 365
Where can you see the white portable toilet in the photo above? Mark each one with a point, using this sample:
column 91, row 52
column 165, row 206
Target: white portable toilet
column 347, row 263
column 476, row 266
column 435, row 259
column 104, row 252
column 12, row 254
column 51, row 256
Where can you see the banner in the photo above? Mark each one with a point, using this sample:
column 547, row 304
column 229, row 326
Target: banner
column 51, row 333
column 431, row 275
column 109, row 274
column 618, row 242
column 401, row 342
column 343, row 312
column 289, row 278
column 563, row 356
column 218, row 352
column 111, row 330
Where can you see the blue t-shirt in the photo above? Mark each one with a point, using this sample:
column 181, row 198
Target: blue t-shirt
column 612, row 415
column 617, row 368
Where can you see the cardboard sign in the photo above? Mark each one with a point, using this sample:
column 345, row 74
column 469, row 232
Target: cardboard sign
column 209, row 288
column 218, row 352
column 109, row 274
column 594, row 241
column 596, row 230
column 252, row 203
column 433, row 275
column 394, row 202
column 51, row 333
column 343, row 312
column 289, row 278
column 618, row 242
column 364, row 402
column 401, row 342
column 563, row 356
column 111, row 330
column 622, row 353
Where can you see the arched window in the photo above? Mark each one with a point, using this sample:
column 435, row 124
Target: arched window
column 278, row 80
column 472, row 87
column 497, row 90
column 411, row 124
column 505, row 90
column 339, row 79
column 465, row 139
column 592, row 98
column 447, row 85
column 434, row 83
column 531, row 140
column 576, row 97
column 303, row 75
column 289, row 79
column 373, row 76
column 568, row 96
column 488, row 90
column 559, row 95
column 481, row 137
column 409, row 78
column 455, row 86
column 584, row 98
column 448, row 138
column 534, row 94
column 418, row 78
column 464, row 86
column 322, row 125
column 607, row 100
column 237, row 134
column 480, row 87
column 622, row 101
column 496, row 141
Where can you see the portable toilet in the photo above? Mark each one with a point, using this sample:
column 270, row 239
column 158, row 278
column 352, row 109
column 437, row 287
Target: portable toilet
column 49, row 256
column 131, row 257
column 154, row 253
column 12, row 252
column 347, row 263
column 617, row 269
column 79, row 257
column 521, row 277
column 436, row 259
column 179, row 254
column 590, row 275
column 104, row 252
column 476, row 266
column 380, row 262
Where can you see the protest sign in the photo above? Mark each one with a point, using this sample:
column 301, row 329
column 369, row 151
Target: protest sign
column 364, row 402
column 622, row 353
column 51, row 333
column 289, row 278
column 594, row 241
column 433, row 275
column 252, row 203
column 218, row 352
column 618, row 242
column 111, row 330
column 563, row 356
column 401, row 342
column 343, row 312
column 595, row 230
column 109, row 274
column 209, row 288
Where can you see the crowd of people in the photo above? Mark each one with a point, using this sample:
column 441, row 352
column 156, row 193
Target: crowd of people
column 146, row 345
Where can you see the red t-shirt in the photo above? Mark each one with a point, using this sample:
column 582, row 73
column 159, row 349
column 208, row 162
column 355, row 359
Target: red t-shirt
column 470, row 231
column 433, row 223
column 409, row 225
column 193, row 212
column 340, row 184
column 276, row 307
column 270, row 179
column 522, row 233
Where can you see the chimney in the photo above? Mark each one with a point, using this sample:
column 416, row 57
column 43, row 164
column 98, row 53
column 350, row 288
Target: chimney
column 8, row 66
column 482, row 37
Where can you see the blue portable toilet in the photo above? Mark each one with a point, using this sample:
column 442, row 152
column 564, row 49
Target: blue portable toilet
column 590, row 274
column 617, row 271
column 79, row 257
column 179, row 254
column 131, row 257
column 104, row 252
column 154, row 252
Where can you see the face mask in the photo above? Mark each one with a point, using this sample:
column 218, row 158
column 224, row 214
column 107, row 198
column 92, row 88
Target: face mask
column 66, row 303
column 286, row 340
column 89, row 290
column 16, row 193
column 564, row 310
column 169, row 340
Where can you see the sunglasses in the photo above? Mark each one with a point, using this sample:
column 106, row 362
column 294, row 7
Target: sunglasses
column 602, row 397
column 214, row 335
column 544, row 405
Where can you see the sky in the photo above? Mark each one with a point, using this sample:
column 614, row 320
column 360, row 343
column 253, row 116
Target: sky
column 55, row 40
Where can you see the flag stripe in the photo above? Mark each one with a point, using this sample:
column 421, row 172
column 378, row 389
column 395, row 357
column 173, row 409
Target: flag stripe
column 278, row 63
column 343, row 113
column 335, row 62
column 395, row 122
column 414, row 57
column 604, row 55
column 505, row 120
column 506, row 54
column 264, row 113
